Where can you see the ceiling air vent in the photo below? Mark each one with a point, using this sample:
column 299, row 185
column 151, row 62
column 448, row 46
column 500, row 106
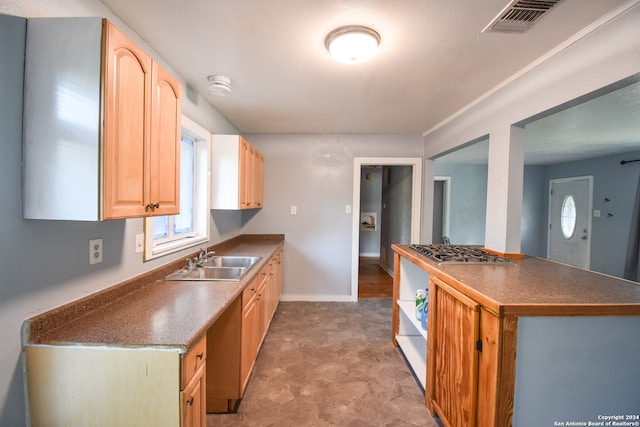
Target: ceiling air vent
column 520, row 15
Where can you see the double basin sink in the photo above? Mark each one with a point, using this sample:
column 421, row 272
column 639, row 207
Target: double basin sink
column 223, row 267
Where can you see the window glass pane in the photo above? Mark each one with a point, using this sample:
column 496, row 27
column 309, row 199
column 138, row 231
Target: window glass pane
column 568, row 217
column 160, row 227
column 184, row 222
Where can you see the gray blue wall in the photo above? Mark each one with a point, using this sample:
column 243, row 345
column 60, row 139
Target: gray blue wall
column 534, row 213
column 618, row 183
column 468, row 201
column 609, row 232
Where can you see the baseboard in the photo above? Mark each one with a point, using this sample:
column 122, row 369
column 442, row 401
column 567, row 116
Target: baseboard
column 386, row 268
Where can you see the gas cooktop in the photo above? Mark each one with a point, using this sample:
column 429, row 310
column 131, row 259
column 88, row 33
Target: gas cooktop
column 458, row 254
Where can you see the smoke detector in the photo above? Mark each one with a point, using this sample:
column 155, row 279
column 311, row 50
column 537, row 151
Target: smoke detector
column 520, row 15
column 219, row 84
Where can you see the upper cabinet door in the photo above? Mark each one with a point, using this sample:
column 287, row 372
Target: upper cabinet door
column 101, row 125
column 164, row 152
column 127, row 125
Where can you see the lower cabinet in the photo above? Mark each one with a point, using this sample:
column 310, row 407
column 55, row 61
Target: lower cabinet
column 235, row 338
column 453, row 356
column 470, row 360
column 193, row 385
column 250, row 330
column 107, row 386
column 464, row 360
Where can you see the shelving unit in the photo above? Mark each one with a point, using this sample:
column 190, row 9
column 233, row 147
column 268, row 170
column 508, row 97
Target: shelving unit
column 411, row 338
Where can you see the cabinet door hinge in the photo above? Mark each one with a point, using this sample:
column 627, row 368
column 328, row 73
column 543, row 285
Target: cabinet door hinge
column 479, row 345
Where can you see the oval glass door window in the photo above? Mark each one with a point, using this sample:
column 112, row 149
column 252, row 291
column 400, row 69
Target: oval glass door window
column 568, row 217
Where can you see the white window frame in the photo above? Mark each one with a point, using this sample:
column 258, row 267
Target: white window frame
column 202, row 150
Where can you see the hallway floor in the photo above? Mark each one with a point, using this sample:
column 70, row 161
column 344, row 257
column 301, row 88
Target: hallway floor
column 330, row 364
column 373, row 280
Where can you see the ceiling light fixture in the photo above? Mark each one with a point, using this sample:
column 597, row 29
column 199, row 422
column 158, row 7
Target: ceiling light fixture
column 219, row 84
column 352, row 44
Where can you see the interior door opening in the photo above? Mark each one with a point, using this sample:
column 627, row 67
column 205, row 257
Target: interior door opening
column 412, row 203
column 441, row 204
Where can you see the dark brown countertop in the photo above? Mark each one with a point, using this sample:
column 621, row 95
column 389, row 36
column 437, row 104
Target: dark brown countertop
column 536, row 287
column 152, row 312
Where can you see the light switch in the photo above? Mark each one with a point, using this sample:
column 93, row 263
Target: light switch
column 596, row 213
column 139, row 243
column 348, row 209
column 294, row 209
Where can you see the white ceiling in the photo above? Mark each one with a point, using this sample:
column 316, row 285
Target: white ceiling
column 433, row 60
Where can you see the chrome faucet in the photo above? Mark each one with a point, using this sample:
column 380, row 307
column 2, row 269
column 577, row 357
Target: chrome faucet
column 201, row 259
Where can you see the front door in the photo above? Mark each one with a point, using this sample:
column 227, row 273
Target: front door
column 569, row 239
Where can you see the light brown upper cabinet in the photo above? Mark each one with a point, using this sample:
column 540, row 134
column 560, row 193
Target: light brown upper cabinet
column 237, row 170
column 102, row 125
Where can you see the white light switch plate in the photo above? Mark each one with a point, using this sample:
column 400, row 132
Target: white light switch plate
column 294, row 209
column 139, row 243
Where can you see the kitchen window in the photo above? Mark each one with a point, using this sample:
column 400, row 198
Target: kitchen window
column 171, row 233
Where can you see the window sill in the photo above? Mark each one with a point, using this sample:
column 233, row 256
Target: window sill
column 175, row 246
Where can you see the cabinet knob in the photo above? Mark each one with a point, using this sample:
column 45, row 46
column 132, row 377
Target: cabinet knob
column 190, row 401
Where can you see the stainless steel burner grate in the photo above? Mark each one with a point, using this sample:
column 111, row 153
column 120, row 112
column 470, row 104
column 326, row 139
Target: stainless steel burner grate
column 454, row 254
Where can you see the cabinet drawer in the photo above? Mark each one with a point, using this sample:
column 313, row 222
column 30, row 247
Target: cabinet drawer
column 250, row 291
column 192, row 360
column 266, row 270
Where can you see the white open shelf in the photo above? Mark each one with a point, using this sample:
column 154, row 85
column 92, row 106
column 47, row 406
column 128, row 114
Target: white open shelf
column 414, row 348
column 411, row 338
column 409, row 309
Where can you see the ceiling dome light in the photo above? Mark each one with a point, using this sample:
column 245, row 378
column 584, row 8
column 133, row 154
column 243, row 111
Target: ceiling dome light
column 352, row 44
column 220, row 85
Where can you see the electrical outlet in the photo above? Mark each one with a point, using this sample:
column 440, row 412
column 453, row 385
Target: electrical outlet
column 95, row 251
column 139, row 243
column 294, row 209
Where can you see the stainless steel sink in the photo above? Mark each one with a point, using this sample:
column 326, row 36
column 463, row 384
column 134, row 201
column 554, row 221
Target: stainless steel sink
column 229, row 268
column 231, row 261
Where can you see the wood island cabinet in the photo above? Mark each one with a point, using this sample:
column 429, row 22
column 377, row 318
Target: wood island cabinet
column 102, row 124
column 465, row 360
column 531, row 342
column 471, row 360
column 237, row 174
column 452, row 366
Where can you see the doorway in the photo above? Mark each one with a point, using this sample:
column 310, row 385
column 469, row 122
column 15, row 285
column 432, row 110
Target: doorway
column 416, row 192
column 569, row 235
column 441, row 204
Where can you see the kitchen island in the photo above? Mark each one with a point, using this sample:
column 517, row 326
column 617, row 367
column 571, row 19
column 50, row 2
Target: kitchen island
column 137, row 353
column 531, row 342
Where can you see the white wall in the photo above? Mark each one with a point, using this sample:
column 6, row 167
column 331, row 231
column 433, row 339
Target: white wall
column 603, row 57
column 315, row 173
column 44, row 264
